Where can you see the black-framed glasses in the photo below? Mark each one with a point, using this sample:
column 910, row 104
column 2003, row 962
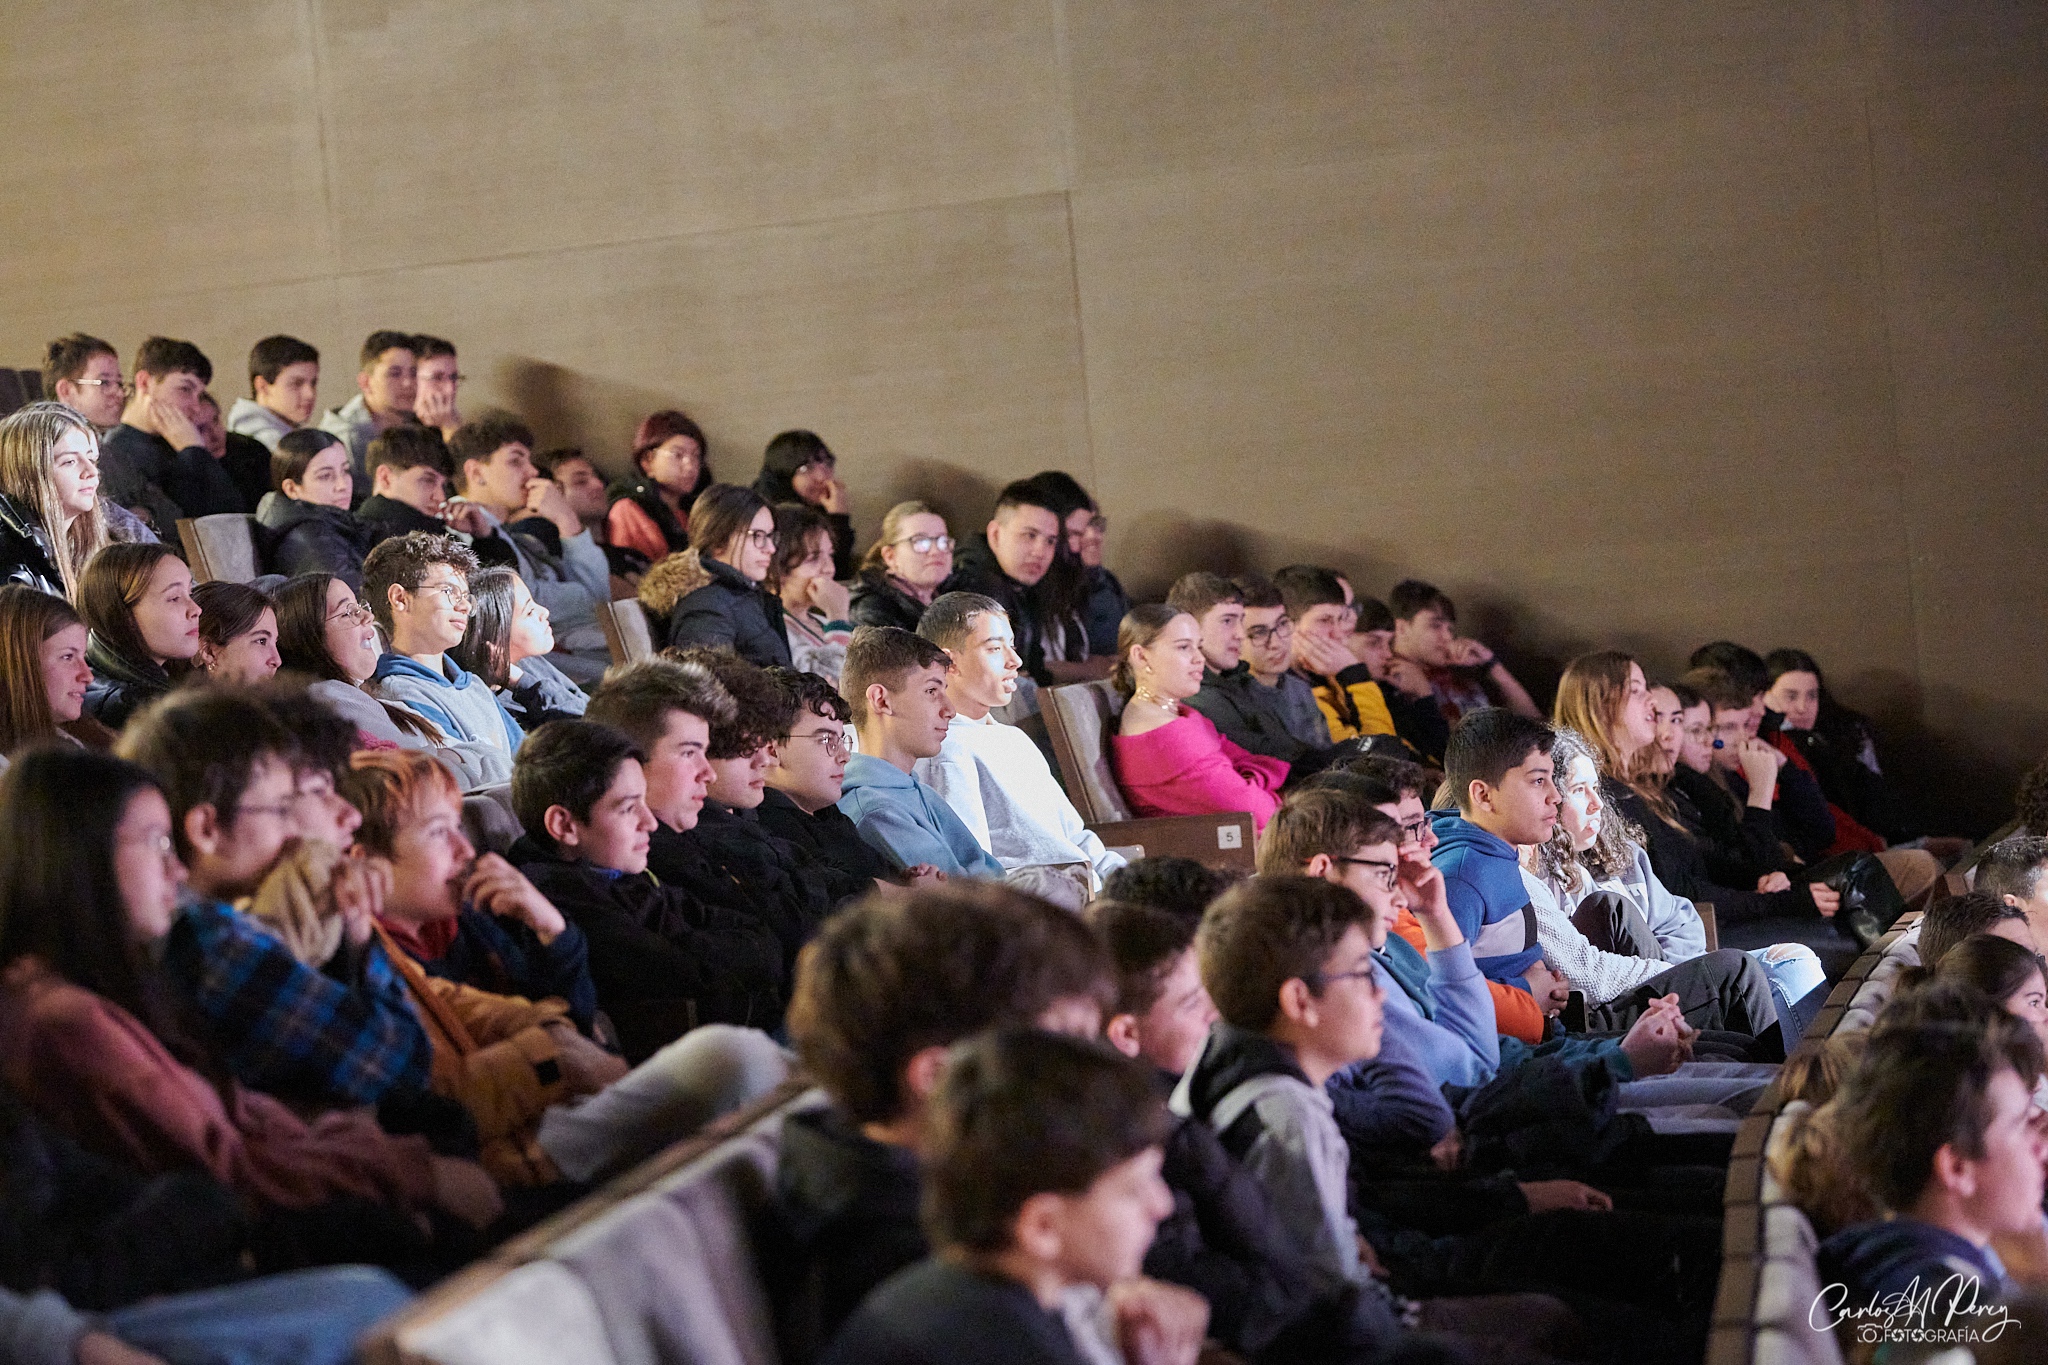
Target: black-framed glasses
column 1389, row 873
column 761, row 540
column 1279, row 630
column 924, row 545
column 1412, row 831
column 1317, row 980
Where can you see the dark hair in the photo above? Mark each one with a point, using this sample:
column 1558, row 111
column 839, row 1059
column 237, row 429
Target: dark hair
column 1401, row 776
column 1141, row 625
column 795, row 524
column 1948, row 922
column 302, row 628
column 113, row 582
column 1739, row 661
column 2011, row 867
column 1412, row 596
column 949, row 620
column 722, row 512
column 1371, row 790
column 1994, row 965
column 566, row 763
column 322, row 738
column 1197, row 593
column 1020, row 1113
column 1487, row 743
column 658, row 427
column 228, row 610
column 890, row 976
column 887, row 655
column 1305, row 586
column 425, row 347
column 1063, row 493
column 1373, row 614
column 550, row 462
column 272, row 356
column 1779, row 662
column 202, row 746
column 1180, row 885
column 67, row 357
column 483, row 436
column 1257, row 590
column 1025, row 493
column 807, row 692
column 636, row 698
column 1263, row 933
column 762, row 710
column 2030, row 800
column 1719, row 689
column 404, row 561
column 486, row 646
column 789, row 451
column 377, row 343
column 1923, row 1083
column 27, row 620
column 1146, row 942
column 1326, row 820
column 161, row 356
column 408, row 447
column 295, row 450
column 1688, row 696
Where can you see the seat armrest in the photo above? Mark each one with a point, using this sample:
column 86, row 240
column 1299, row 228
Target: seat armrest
column 1220, row 841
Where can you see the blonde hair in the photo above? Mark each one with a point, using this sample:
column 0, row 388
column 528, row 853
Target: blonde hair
column 27, row 475
column 892, row 530
column 1590, row 696
column 1140, row 627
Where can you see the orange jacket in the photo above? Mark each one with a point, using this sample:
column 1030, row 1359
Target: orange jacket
column 1515, row 1012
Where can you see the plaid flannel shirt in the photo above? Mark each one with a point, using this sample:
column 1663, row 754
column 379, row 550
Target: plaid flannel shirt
column 288, row 1029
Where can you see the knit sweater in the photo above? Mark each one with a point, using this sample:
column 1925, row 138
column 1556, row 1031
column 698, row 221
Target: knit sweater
column 1185, row 767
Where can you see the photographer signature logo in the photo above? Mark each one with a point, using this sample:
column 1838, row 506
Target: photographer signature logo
column 1951, row 1312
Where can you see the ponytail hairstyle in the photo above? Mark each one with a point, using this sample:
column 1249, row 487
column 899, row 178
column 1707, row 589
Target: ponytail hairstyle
column 27, row 475
column 1140, row 627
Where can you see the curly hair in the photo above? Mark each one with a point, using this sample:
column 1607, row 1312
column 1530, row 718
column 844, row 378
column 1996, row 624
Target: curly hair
column 763, row 710
column 1613, row 848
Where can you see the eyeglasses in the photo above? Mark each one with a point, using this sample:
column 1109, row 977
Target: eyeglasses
column 455, row 594
column 761, row 540
column 1279, row 630
column 354, row 614
column 1412, row 831
column 1317, row 980
column 1389, row 873
column 832, row 742
column 159, row 844
column 819, row 462
column 1698, row 731
column 924, row 545
column 121, row 384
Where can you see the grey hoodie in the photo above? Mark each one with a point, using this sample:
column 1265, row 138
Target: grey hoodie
column 251, row 418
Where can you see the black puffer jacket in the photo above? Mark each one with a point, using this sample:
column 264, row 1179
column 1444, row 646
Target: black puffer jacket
column 120, row 687
column 305, row 537
column 709, row 602
column 877, row 601
column 25, row 551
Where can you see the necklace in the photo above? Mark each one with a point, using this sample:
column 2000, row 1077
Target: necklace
column 1147, row 695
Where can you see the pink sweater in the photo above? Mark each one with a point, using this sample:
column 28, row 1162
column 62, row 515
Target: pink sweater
column 1185, row 767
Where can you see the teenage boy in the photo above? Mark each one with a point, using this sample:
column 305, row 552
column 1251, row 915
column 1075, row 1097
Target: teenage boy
column 808, row 777
column 1351, row 702
column 417, row 586
column 244, row 459
column 991, row 774
column 1006, row 563
column 387, row 385
column 1938, row 1122
column 438, row 378
column 84, row 373
column 1270, row 711
column 409, row 473
column 493, row 457
column 1042, row 1195
column 2012, row 870
column 1948, row 922
column 1180, row 886
column 284, row 384
column 895, row 685
column 881, row 994
column 342, row 1036
column 306, row 511
column 1432, row 661
column 155, row 461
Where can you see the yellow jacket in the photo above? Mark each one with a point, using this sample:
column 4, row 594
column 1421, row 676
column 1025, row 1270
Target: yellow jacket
column 1352, row 704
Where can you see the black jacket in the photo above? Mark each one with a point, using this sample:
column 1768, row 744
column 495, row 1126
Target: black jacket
column 306, row 537
column 1679, row 861
column 940, row 1311
column 1247, row 713
column 639, row 490
column 877, row 601
column 120, row 687
column 732, row 611
column 829, row 838
column 1738, row 842
column 788, row 898
column 663, row 959
column 384, row 518
column 26, row 555
column 975, row 569
column 247, row 463
column 139, row 469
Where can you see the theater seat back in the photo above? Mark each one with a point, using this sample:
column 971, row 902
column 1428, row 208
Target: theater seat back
column 539, row 1314
column 1080, row 719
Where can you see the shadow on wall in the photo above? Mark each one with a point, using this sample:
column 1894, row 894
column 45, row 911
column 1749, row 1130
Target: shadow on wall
column 568, row 408
column 964, row 497
column 1964, row 787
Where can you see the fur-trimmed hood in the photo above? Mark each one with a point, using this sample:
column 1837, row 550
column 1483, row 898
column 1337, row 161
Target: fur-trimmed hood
column 670, row 580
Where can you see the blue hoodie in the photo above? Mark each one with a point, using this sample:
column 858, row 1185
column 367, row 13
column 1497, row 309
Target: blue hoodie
column 1488, row 898
column 908, row 822
column 461, row 704
column 1876, row 1260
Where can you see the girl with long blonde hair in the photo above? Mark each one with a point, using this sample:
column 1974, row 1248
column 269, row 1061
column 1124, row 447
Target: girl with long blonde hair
column 51, row 521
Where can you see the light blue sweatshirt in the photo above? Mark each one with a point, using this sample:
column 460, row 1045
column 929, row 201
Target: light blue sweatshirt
column 909, row 822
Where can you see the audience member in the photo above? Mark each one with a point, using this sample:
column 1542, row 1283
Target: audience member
column 1840, row 745
column 650, row 509
column 244, row 459
column 137, row 602
column 1272, row 713
column 305, row 516
column 284, row 388
column 1353, row 705
column 1180, row 885
column 51, row 522
column 2007, row 973
column 507, row 644
column 711, row 594
column 493, row 457
column 1162, row 1011
column 1948, row 922
column 44, row 675
column 1042, row 1194
column 437, row 378
column 816, row 614
column 904, row 568
column 577, row 476
column 1800, row 818
column 1062, row 597
column 387, row 387
column 1006, row 561
column 418, row 590
column 665, row 951
column 2011, row 870
column 895, row 685
column 801, row 803
column 237, row 634
column 799, row 467
column 154, row 462
column 1171, row 761
column 1431, row 659
column 1086, row 529
column 84, row 374
column 991, row 774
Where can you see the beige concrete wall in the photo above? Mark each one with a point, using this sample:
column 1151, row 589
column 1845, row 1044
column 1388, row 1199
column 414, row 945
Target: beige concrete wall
column 1629, row 323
